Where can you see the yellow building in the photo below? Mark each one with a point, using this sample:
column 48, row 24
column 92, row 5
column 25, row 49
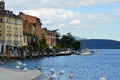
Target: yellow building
column 50, row 37
column 11, row 29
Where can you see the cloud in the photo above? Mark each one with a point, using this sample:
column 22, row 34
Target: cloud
column 56, row 18
column 99, row 18
column 57, row 13
column 69, row 14
column 53, row 17
column 117, row 11
column 96, row 2
column 35, row 4
column 75, row 22
column 61, row 18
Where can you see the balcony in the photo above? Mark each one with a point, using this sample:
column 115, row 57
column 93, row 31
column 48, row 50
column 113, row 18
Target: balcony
column 16, row 42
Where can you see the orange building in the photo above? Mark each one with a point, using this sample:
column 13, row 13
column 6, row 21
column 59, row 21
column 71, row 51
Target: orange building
column 50, row 37
column 32, row 25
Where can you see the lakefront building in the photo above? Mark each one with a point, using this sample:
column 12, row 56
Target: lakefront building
column 11, row 29
column 50, row 36
column 32, row 26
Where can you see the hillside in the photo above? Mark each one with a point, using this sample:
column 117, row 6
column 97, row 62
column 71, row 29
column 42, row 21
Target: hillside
column 100, row 44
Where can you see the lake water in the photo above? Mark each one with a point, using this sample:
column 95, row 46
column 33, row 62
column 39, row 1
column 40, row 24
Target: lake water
column 105, row 62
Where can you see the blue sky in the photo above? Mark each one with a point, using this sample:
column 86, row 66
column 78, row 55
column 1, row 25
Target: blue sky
column 92, row 19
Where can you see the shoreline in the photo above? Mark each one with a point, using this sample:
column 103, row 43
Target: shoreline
column 5, row 57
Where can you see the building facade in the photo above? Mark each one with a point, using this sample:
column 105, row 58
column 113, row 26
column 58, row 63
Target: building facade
column 50, row 37
column 11, row 29
column 32, row 26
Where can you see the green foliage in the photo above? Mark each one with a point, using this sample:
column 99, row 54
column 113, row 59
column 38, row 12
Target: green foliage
column 34, row 43
column 24, row 47
column 76, row 45
column 58, row 39
column 30, row 47
column 68, row 41
column 57, row 48
column 43, row 44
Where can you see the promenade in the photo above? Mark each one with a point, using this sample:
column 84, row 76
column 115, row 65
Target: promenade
column 14, row 74
column 32, row 55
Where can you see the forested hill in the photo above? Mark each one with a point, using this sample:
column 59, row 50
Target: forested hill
column 100, row 44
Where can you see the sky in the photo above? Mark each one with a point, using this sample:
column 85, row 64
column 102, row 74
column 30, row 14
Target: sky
column 91, row 19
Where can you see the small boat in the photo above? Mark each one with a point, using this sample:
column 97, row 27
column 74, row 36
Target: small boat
column 15, row 74
column 85, row 52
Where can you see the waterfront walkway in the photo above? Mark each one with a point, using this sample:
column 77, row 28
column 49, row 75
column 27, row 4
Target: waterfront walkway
column 33, row 55
column 14, row 74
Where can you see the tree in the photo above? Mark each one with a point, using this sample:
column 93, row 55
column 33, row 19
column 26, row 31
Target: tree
column 76, row 45
column 57, row 38
column 68, row 41
column 58, row 42
column 43, row 44
column 34, row 43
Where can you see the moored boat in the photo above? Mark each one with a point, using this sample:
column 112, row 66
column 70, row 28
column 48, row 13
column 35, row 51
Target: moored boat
column 85, row 52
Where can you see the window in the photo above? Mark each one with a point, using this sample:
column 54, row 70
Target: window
column 1, row 20
column 7, row 20
column 0, row 37
column 24, row 38
column 20, row 35
column 0, row 28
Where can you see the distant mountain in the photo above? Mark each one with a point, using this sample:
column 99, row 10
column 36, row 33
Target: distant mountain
column 100, row 44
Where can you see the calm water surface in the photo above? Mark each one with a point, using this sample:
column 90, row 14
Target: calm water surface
column 105, row 62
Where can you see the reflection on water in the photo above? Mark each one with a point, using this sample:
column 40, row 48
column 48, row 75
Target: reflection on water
column 104, row 63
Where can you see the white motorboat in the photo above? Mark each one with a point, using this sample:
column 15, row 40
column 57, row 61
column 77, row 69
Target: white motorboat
column 85, row 52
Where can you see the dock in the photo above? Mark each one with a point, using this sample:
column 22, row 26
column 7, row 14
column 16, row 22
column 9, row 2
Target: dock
column 33, row 55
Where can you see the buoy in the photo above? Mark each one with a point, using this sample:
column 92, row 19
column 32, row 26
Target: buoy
column 62, row 72
column 18, row 67
column 52, row 70
column 71, row 76
column 25, row 69
column 102, row 78
column 24, row 64
column 53, row 76
column 19, row 63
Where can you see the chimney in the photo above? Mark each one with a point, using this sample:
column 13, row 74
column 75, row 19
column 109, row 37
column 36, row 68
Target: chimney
column 2, row 5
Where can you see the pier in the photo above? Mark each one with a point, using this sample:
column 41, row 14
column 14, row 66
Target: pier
column 32, row 55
